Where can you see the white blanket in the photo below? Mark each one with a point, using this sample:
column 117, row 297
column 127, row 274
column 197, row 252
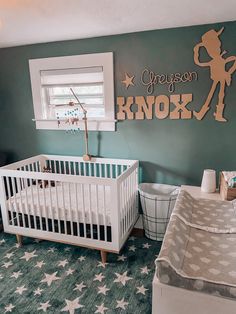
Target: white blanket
column 89, row 205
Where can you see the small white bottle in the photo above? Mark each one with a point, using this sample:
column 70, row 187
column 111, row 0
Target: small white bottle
column 208, row 181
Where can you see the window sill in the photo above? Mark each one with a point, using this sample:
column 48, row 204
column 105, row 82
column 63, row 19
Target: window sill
column 93, row 125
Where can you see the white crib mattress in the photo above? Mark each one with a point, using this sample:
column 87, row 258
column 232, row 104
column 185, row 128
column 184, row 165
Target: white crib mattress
column 90, row 205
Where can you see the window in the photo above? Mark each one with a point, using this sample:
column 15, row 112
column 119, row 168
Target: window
column 90, row 77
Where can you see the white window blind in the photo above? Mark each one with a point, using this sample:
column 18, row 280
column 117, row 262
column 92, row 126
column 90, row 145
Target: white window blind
column 87, row 83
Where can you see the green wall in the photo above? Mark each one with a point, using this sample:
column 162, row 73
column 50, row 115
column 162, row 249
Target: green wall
column 170, row 151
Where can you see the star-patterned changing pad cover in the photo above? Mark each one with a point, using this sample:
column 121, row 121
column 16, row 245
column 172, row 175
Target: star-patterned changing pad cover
column 210, row 215
column 195, row 249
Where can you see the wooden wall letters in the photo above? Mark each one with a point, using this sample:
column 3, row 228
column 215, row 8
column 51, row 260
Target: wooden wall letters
column 174, row 106
column 147, row 107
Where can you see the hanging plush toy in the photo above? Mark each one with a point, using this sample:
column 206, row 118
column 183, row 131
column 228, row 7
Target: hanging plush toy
column 45, row 183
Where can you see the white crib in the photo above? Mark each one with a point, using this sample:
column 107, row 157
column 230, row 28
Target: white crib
column 91, row 204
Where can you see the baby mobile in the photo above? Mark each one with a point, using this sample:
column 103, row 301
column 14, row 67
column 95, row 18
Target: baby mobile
column 72, row 119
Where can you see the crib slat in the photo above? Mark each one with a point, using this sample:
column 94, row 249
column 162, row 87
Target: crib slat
column 95, row 170
column 64, row 207
column 39, row 205
column 83, row 209
column 15, row 202
column 126, row 205
column 105, row 166
column 45, row 210
column 59, row 166
column 18, row 180
column 27, row 202
column 124, row 196
column 104, row 211
column 34, row 167
column 40, row 166
column 90, row 213
column 77, row 207
column 9, row 201
column 57, row 209
column 97, row 211
column 132, row 196
column 130, row 202
column 70, row 211
column 80, row 169
column 89, row 169
column 50, row 206
column 32, row 203
column 100, row 170
column 122, row 206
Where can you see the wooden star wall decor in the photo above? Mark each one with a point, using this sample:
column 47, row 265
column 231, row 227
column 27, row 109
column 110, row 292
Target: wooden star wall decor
column 128, row 80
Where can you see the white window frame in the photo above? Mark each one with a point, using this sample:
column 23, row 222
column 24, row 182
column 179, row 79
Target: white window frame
column 79, row 61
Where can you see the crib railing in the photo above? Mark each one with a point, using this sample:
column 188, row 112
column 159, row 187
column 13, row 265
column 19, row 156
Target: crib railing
column 95, row 202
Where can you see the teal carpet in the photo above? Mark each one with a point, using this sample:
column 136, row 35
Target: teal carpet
column 48, row 277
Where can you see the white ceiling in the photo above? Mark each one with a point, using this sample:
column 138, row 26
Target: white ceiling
column 35, row 21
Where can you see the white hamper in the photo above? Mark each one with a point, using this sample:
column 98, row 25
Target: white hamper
column 157, row 202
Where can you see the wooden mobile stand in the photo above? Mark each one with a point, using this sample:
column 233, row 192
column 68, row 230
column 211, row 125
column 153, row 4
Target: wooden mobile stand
column 86, row 157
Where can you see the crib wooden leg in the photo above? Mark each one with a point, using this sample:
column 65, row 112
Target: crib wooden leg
column 103, row 256
column 19, row 239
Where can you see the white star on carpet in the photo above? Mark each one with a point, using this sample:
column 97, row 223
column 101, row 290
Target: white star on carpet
column 40, row 264
column 63, row 263
column 51, row 250
column 146, row 246
column 81, row 258
column 17, row 245
column 44, row 306
column 99, row 277
column 38, row 291
column 69, row 272
column 122, row 278
column 9, row 308
column 132, row 248
column 72, row 305
column 20, row 290
column 1, row 276
column 101, row 309
column 101, row 264
column 80, row 286
column 144, row 270
column 2, row 241
column 7, row 264
column 103, row 290
column 67, row 249
column 16, row 274
column 141, row 290
column 50, row 278
column 121, row 304
column 28, row 255
column 121, row 258
column 9, row 255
